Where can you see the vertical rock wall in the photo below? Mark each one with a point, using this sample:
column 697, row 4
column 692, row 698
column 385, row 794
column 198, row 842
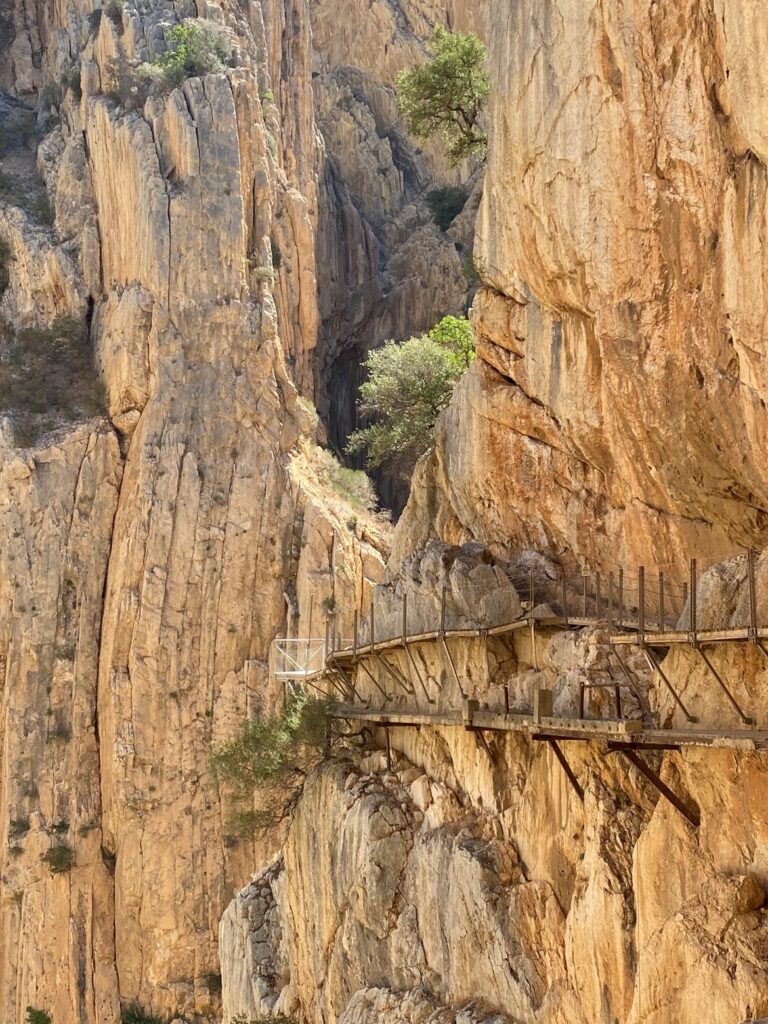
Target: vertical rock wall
column 618, row 408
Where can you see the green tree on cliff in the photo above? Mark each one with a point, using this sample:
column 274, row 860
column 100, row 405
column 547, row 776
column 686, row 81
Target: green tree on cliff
column 445, row 95
column 264, row 767
column 408, row 386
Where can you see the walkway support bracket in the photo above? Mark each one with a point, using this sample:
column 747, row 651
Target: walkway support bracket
column 719, row 679
column 655, row 665
column 688, row 813
column 570, row 774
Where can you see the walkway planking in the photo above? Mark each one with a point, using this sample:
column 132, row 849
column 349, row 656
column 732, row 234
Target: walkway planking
column 616, row 732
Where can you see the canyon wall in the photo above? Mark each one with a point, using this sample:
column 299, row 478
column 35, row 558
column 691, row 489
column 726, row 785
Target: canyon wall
column 615, row 414
column 148, row 557
column 469, row 881
column 617, row 410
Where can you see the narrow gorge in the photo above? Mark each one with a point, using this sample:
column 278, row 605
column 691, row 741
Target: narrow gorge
column 191, row 280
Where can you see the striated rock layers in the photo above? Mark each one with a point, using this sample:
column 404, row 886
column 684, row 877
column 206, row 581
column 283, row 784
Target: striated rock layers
column 618, row 408
column 468, row 881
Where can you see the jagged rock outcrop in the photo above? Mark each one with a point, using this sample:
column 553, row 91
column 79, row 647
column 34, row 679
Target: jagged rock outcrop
column 617, row 410
column 190, row 239
column 471, row 870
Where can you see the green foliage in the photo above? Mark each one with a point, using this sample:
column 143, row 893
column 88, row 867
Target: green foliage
column 59, row 858
column 197, row 47
column 18, row 827
column 454, row 334
column 213, row 981
column 277, row 1018
column 408, row 386
column 277, row 256
column 70, row 79
column 47, row 377
column 446, row 204
column 133, row 1014
column 37, row 1016
column 353, row 486
column 114, row 11
column 445, row 95
column 270, row 758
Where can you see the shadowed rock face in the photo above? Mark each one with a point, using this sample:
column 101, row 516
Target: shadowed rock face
column 618, row 410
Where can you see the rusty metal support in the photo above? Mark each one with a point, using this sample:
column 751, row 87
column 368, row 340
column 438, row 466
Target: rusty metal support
column 506, row 699
column 688, row 813
column 693, row 625
column 396, row 677
column 662, row 616
column 655, row 664
column 566, row 768
column 373, row 679
column 641, row 604
column 598, row 597
column 389, row 748
column 627, row 676
column 453, row 666
column 483, row 742
column 584, row 578
column 409, row 653
column 718, row 678
column 621, row 595
column 610, row 599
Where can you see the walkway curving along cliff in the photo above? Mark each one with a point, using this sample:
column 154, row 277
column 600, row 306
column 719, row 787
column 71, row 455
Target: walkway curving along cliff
column 651, row 614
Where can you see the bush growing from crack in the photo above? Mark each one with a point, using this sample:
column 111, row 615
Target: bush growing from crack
column 196, row 47
column 408, row 386
column 269, row 760
column 59, row 858
column 35, row 1016
column 446, row 204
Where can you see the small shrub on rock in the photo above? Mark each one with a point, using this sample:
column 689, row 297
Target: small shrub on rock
column 36, row 1016
column 446, row 204
column 197, row 47
column 59, row 858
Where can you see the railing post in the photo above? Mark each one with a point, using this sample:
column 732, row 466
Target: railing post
column 621, row 595
column 598, row 597
column 641, row 604
column 610, row 600
column 752, row 595
column 584, row 578
column 354, row 635
column 373, row 617
column 693, row 596
column 662, row 617
column 442, row 610
column 327, row 638
column 564, row 585
column 531, row 591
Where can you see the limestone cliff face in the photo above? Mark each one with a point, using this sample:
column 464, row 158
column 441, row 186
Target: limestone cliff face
column 469, row 882
column 618, row 407
column 147, row 564
column 385, row 269
column 149, row 558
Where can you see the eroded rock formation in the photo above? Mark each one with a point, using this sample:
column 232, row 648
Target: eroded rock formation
column 617, row 409
column 470, row 874
column 149, row 557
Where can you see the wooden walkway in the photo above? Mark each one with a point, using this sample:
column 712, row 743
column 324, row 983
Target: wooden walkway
column 330, row 667
column 616, row 732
